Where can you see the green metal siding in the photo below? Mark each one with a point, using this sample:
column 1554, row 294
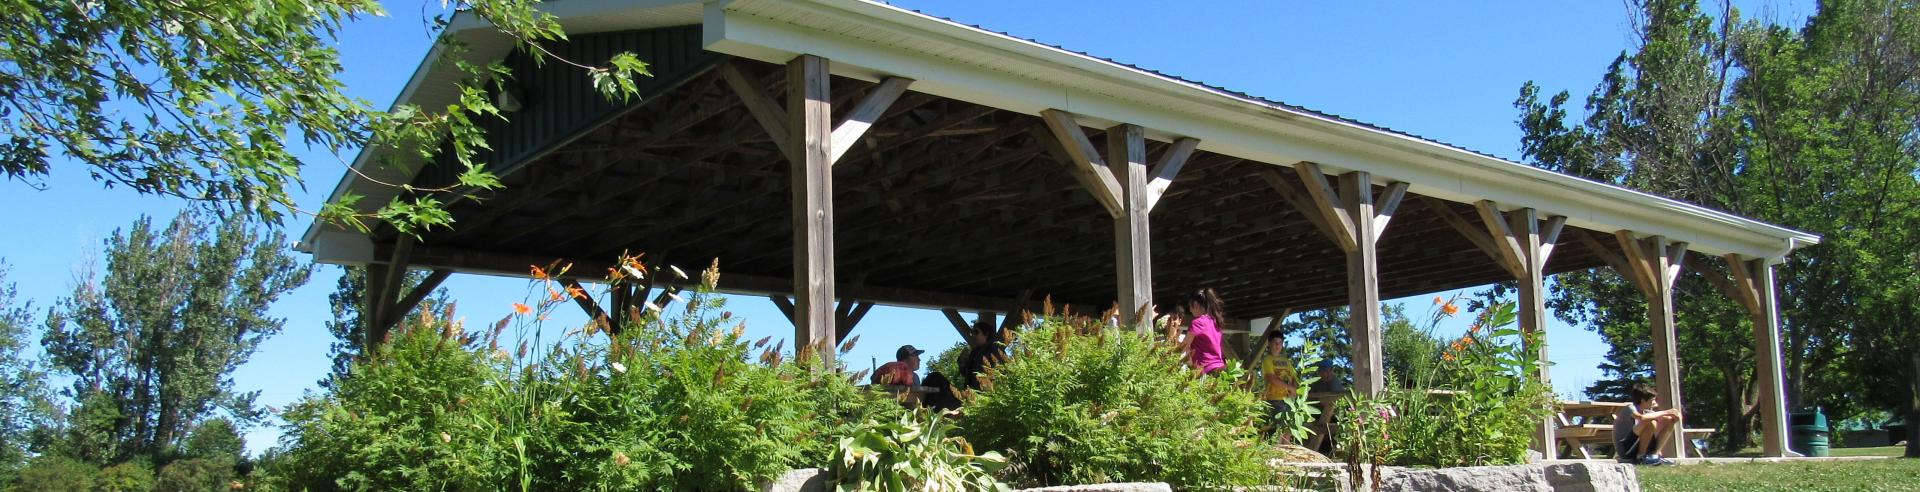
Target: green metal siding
column 558, row 100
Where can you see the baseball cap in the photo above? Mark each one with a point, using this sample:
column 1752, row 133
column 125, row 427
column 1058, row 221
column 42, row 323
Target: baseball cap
column 906, row 351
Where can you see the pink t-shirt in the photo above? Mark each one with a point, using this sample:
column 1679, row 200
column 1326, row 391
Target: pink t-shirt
column 1204, row 350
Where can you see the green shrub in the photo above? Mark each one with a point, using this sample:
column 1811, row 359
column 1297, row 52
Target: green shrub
column 914, row 453
column 131, row 476
column 1485, row 417
column 51, row 473
column 674, row 403
column 194, row 475
column 1077, row 403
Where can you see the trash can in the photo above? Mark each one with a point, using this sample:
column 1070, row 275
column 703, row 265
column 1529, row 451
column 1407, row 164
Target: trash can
column 1809, row 433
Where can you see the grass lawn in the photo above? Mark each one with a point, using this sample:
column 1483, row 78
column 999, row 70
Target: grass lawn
column 1887, row 474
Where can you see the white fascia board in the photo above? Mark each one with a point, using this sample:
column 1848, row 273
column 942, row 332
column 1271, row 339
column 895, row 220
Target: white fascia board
column 1020, row 74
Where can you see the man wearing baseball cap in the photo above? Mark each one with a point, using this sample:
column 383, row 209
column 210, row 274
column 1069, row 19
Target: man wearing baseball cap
column 902, row 371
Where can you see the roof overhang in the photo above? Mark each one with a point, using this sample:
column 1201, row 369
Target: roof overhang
column 868, row 40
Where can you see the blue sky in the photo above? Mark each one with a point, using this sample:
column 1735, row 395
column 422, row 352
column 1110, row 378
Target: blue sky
column 1443, row 70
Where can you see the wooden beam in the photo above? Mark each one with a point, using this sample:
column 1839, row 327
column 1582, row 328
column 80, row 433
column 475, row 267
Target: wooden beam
column 959, row 324
column 761, row 106
column 1302, row 203
column 1734, row 288
column 1085, row 159
column 1502, row 236
column 1387, row 204
column 1329, row 205
column 1169, row 166
column 1363, row 278
column 810, row 125
column 395, row 278
column 1523, row 225
column 413, row 297
column 844, row 323
column 1614, row 260
column 375, row 303
column 1133, row 254
column 863, row 115
column 1758, row 278
column 1481, row 239
column 586, row 302
column 784, row 304
column 1658, row 261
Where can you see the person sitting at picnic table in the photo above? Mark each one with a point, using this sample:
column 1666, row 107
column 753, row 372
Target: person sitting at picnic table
column 983, row 350
column 902, row 371
column 1203, row 331
column 1277, row 370
column 1639, row 427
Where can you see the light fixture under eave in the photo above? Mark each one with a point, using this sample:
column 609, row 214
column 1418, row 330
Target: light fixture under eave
column 507, row 99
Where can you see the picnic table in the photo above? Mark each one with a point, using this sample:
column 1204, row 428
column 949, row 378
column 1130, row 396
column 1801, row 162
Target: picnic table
column 1583, row 424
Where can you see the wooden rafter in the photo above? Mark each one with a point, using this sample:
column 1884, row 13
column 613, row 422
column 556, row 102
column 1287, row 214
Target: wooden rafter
column 862, row 117
column 1080, row 153
column 1328, row 204
column 1167, row 167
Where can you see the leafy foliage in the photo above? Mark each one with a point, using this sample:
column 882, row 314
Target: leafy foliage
column 209, row 103
column 25, row 404
column 152, row 345
column 1078, row 403
column 914, row 453
column 674, row 403
column 1485, row 416
column 1811, row 128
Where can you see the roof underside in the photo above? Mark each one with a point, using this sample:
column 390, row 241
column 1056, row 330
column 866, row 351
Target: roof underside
column 952, row 199
column 943, row 196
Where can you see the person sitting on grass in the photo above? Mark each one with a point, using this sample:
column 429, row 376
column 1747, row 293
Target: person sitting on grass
column 1639, row 428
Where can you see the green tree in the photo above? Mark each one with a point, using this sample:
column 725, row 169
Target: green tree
column 1813, row 129
column 152, row 344
column 24, row 402
column 210, row 101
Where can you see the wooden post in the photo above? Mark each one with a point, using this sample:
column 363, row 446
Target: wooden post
column 809, row 126
column 1754, row 288
column 1363, row 285
column 1132, row 248
column 1656, row 261
column 1354, row 220
column 373, row 307
column 1521, row 243
column 1123, row 184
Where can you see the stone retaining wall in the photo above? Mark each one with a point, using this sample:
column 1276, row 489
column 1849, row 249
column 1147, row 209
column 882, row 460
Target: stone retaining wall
column 1556, row 477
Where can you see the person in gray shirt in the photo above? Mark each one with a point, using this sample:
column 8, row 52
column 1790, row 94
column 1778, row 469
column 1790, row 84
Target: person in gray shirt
column 1639, row 427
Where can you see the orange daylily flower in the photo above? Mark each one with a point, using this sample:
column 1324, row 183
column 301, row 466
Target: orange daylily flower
column 1437, row 300
column 1450, row 309
column 522, row 308
column 538, row 273
column 576, row 292
column 553, row 295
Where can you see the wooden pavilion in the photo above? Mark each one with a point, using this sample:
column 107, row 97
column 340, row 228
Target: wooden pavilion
column 847, row 153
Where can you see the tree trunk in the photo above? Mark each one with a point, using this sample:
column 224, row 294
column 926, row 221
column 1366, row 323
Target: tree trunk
column 1736, row 415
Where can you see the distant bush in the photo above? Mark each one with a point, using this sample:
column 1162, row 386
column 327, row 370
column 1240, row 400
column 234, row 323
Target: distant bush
column 674, row 403
column 1077, row 403
column 194, row 475
column 49, row 473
